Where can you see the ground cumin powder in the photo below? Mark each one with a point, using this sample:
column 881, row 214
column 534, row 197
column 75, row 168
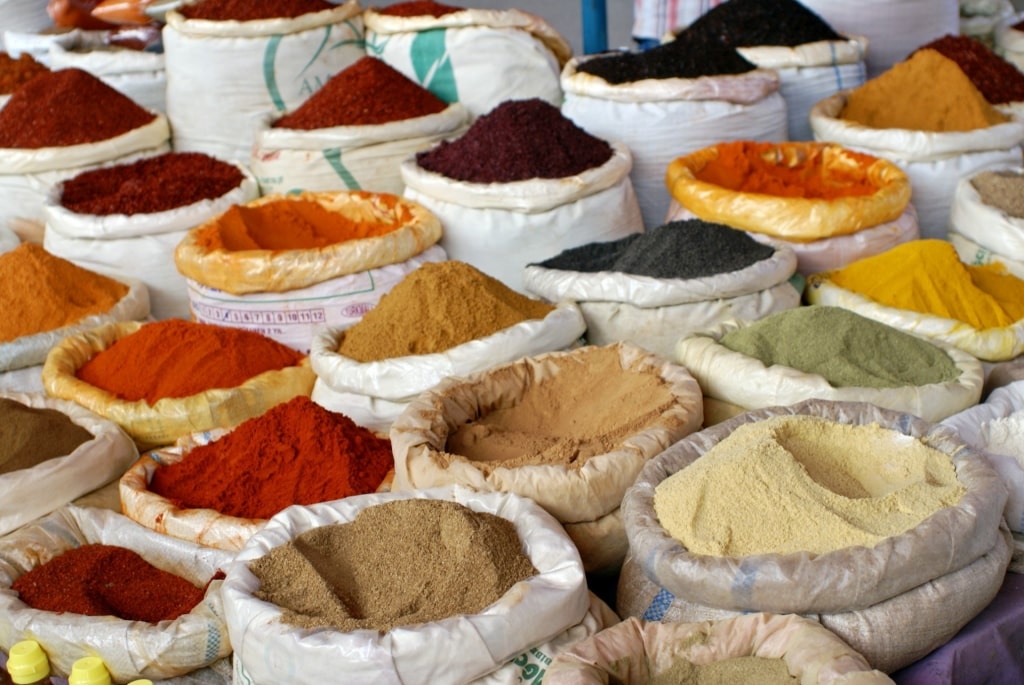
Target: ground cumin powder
column 927, row 92
column 587, row 407
column 433, row 309
column 740, row 670
column 32, row 435
column 396, row 564
column 802, row 483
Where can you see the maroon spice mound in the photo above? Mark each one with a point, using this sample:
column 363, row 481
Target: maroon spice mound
column 67, row 107
column 418, row 8
column 17, row 71
column 368, row 92
column 153, row 184
column 106, row 580
column 252, row 10
column 998, row 80
column 515, row 141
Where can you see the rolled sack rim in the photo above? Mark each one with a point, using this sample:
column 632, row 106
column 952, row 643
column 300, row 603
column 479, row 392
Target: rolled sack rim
column 819, row 53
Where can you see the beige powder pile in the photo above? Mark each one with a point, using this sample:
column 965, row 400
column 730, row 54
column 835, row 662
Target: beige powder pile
column 741, row 670
column 801, row 483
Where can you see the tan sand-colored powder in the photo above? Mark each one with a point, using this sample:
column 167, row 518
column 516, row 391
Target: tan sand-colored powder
column 803, row 483
column 741, row 670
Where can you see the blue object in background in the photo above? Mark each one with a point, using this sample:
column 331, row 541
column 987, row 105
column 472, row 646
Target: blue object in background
column 595, row 26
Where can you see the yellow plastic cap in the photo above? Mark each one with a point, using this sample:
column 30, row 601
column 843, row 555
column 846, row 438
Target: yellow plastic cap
column 27, row 662
column 89, row 670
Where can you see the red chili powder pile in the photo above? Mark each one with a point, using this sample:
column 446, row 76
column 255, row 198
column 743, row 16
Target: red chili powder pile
column 248, row 10
column 105, row 580
column 368, row 92
column 153, row 184
column 67, row 107
column 295, row 453
column 17, row 71
column 419, row 8
column 178, row 358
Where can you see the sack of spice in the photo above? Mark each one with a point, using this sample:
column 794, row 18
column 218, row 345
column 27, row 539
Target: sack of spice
column 202, row 489
column 893, row 585
column 922, row 287
column 16, row 71
column 17, row 16
column 126, row 219
column 986, row 221
column 552, row 427
column 830, row 353
column 478, row 57
column 655, row 287
column 353, row 133
column 638, row 652
column 228, row 63
column 45, row 298
column 451, row 646
column 52, row 452
column 926, row 116
column 129, row 648
column 443, row 319
column 522, row 184
column 1008, row 38
column 290, row 265
column 639, row 100
column 170, row 367
column 60, row 124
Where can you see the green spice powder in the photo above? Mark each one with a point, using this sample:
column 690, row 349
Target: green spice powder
column 847, row 349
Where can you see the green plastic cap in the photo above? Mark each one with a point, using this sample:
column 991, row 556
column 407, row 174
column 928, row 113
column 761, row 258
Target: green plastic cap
column 89, row 670
column 27, row 662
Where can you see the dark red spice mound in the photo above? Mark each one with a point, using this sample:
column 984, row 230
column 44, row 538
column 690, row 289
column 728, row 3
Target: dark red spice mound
column 515, row 141
column 105, row 580
column 251, row 10
column 998, row 80
column 418, row 8
column 368, row 92
column 67, row 107
column 153, row 184
column 17, row 71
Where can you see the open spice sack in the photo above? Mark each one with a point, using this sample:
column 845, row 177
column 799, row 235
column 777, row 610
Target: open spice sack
column 177, row 375
column 522, row 184
column 986, row 221
column 218, row 487
column 443, row 319
column 289, row 266
column 554, row 428
column 353, row 133
column 653, row 288
column 477, row 57
column 920, row 549
column 831, row 205
column 127, row 219
column 830, row 353
column 536, row 592
column 54, row 451
column 102, row 543
column 759, row 647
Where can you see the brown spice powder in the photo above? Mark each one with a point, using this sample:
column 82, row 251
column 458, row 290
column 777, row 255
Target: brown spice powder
column 31, row 435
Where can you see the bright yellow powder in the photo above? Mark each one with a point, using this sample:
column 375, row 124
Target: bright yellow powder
column 801, row 483
column 927, row 276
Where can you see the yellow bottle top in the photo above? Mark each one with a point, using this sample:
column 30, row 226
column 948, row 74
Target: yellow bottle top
column 89, row 670
column 28, row 663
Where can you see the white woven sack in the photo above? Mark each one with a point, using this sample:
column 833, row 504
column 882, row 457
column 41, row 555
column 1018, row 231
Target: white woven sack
column 373, row 413
column 635, row 651
column 37, row 43
column 451, row 651
column 934, row 161
column 139, row 246
column 1009, row 42
column 223, row 75
column 891, row 634
column 572, row 494
column 28, row 379
column 20, row 16
column 996, row 427
column 129, row 649
column 846, row 579
column 499, row 228
column 347, row 157
column 294, row 317
column 990, row 345
column 139, row 74
column 893, row 28
column 479, row 57
column 980, row 18
column 972, row 253
column 745, row 381
column 31, row 350
column 8, row 239
column 644, row 115
column 602, row 543
column 984, row 224
column 38, row 490
column 27, row 176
